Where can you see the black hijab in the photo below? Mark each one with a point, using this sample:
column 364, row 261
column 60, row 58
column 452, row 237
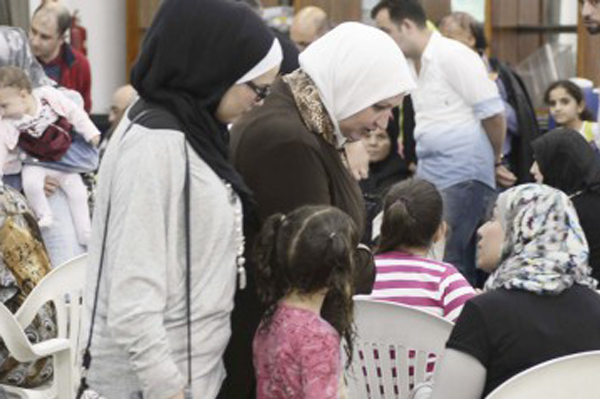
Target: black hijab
column 567, row 161
column 192, row 54
column 390, row 170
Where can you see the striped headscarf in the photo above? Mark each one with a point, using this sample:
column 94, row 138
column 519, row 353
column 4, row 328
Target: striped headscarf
column 544, row 250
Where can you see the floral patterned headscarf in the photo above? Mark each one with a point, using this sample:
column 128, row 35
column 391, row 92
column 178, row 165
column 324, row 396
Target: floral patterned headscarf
column 545, row 250
column 15, row 51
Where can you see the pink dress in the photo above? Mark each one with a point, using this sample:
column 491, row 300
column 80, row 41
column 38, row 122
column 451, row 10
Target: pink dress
column 297, row 357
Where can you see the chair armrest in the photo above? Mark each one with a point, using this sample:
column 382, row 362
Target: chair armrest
column 50, row 346
column 19, row 346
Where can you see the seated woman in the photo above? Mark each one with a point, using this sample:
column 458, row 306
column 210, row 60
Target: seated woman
column 539, row 303
column 23, row 264
column 564, row 160
column 386, row 167
column 60, row 240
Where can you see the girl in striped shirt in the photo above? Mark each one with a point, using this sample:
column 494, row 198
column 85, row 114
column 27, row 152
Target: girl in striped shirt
column 412, row 223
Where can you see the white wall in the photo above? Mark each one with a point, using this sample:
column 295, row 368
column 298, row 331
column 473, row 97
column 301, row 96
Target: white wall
column 104, row 21
column 474, row 7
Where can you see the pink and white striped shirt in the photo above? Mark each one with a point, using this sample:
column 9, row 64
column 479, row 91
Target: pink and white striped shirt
column 434, row 287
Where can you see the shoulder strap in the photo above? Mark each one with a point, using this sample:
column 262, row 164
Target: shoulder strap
column 188, row 268
column 87, row 357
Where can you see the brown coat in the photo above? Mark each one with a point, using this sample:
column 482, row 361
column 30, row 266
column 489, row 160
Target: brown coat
column 288, row 166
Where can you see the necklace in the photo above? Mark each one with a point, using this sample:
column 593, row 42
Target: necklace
column 238, row 230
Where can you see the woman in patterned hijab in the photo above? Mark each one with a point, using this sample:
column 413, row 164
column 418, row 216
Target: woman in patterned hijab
column 23, row 257
column 544, row 249
column 539, row 303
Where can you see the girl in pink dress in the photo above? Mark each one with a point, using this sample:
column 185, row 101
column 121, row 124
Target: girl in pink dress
column 301, row 258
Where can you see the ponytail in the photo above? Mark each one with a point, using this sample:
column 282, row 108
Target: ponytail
column 397, row 227
column 269, row 280
column 412, row 214
column 339, row 310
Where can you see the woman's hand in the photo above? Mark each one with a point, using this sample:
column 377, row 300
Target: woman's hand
column 358, row 159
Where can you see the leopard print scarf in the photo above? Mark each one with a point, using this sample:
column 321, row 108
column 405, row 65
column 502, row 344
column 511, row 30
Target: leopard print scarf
column 309, row 104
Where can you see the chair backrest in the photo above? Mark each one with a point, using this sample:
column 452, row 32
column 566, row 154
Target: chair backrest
column 63, row 287
column 394, row 349
column 568, row 377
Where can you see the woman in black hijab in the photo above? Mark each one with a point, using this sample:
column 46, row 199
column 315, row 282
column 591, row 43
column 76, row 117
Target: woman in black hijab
column 386, row 167
column 565, row 160
column 203, row 63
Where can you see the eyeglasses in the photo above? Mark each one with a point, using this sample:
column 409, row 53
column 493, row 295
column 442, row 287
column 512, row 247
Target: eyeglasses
column 365, row 248
column 261, row 91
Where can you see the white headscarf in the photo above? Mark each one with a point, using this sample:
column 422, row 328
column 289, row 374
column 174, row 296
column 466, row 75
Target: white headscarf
column 355, row 66
column 270, row 61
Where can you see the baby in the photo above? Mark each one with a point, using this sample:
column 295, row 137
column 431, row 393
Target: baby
column 40, row 122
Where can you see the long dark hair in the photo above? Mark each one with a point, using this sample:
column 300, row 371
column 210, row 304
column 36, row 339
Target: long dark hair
column 412, row 214
column 567, row 161
column 574, row 91
column 312, row 248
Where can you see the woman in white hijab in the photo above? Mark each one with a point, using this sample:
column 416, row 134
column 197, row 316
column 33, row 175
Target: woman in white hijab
column 290, row 151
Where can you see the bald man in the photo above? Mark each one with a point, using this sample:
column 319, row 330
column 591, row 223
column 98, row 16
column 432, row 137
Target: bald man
column 310, row 23
column 121, row 99
column 62, row 63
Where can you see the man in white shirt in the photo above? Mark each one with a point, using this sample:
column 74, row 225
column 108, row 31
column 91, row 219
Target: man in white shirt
column 460, row 123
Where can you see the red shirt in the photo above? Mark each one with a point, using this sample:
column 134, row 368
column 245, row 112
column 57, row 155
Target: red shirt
column 71, row 69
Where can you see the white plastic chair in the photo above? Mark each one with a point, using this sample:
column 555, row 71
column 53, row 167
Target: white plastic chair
column 386, row 333
column 568, row 377
column 63, row 286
